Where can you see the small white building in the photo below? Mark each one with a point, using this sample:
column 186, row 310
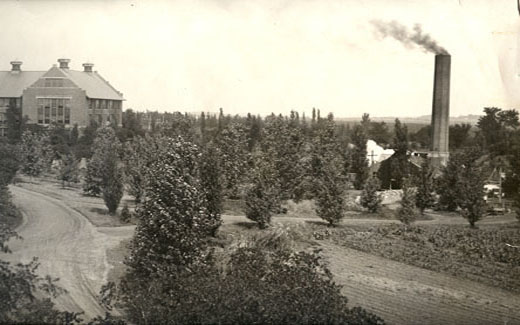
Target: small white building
column 376, row 153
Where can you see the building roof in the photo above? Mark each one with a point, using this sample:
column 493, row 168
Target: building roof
column 93, row 84
column 13, row 84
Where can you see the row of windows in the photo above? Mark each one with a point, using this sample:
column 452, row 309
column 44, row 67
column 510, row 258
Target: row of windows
column 53, row 110
column 10, row 102
column 104, row 104
column 53, row 82
column 101, row 118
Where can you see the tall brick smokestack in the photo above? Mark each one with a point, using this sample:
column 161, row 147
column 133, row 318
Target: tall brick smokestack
column 441, row 110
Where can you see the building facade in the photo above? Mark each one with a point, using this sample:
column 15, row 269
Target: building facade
column 59, row 96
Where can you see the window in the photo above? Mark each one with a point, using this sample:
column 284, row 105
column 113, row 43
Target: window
column 47, row 114
column 109, row 106
column 97, row 103
column 91, row 104
column 67, row 115
column 40, row 114
column 53, row 110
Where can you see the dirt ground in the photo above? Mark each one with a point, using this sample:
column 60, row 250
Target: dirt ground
column 84, row 249
column 67, row 246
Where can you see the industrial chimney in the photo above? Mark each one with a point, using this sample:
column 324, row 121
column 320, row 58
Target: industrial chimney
column 441, row 110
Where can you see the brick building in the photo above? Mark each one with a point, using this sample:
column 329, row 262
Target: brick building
column 59, row 95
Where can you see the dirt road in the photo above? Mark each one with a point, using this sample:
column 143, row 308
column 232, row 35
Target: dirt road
column 67, row 245
column 404, row 294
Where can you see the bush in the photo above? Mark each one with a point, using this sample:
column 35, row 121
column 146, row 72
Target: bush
column 125, row 215
column 370, row 199
column 407, row 212
column 256, row 281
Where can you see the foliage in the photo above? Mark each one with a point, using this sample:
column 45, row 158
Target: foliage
column 262, row 198
column 370, row 198
column 69, row 172
column 83, row 149
column 212, row 184
column 461, row 185
column 470, row 189
column 424, row 197
column 35, row 153
column 406, row 212
column 446, row 186
column 459, row 135
column 112, row 181
column 256, row 281
column 9, row 214
column 9, row 162
column 125, row 215
column 327, row 169
column 495, row 129
column 173, row 220
column 283, row 142
column 105, row 144
column 489, row 255
column 234, row 157
column 359, row 156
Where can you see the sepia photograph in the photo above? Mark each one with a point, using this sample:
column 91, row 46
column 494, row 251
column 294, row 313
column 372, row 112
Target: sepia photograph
column 260, row 162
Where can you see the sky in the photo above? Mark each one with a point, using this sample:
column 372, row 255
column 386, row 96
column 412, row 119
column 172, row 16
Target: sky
column 274, row 56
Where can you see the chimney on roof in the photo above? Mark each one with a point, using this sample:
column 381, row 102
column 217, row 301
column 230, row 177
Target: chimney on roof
column 88, row 67
column 16, row 66
column 64, row 63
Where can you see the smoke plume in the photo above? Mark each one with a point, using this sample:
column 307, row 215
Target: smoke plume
column 407, row 37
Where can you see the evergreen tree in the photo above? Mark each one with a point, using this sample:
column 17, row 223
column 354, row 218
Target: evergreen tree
column 407, row 213
column 370, row 198
column 234, row 157
column 173, row 220
column 328, row 185
column 138, row 154
column 211, row 183
column 262, row 198
column 105, row 143
column 424, row 197
column 359, row 161
column 112, row 181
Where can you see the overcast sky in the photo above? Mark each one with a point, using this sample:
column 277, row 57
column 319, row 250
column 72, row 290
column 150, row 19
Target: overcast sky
column 274, row 56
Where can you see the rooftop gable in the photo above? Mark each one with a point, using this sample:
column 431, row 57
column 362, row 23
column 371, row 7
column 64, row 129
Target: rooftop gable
column 93, row 84
column 13, row 84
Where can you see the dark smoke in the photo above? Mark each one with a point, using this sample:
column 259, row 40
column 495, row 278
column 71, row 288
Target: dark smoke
column 407, row 37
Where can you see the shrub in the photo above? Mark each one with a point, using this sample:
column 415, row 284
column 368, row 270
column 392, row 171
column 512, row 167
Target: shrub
column 370, row 199
column 256, row 281
column 407, row 212
column 125, row 215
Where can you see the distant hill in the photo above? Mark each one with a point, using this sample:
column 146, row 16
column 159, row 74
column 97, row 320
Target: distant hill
column 419, row 120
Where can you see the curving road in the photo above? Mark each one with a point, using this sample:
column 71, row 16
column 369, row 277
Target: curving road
column 68, row 247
